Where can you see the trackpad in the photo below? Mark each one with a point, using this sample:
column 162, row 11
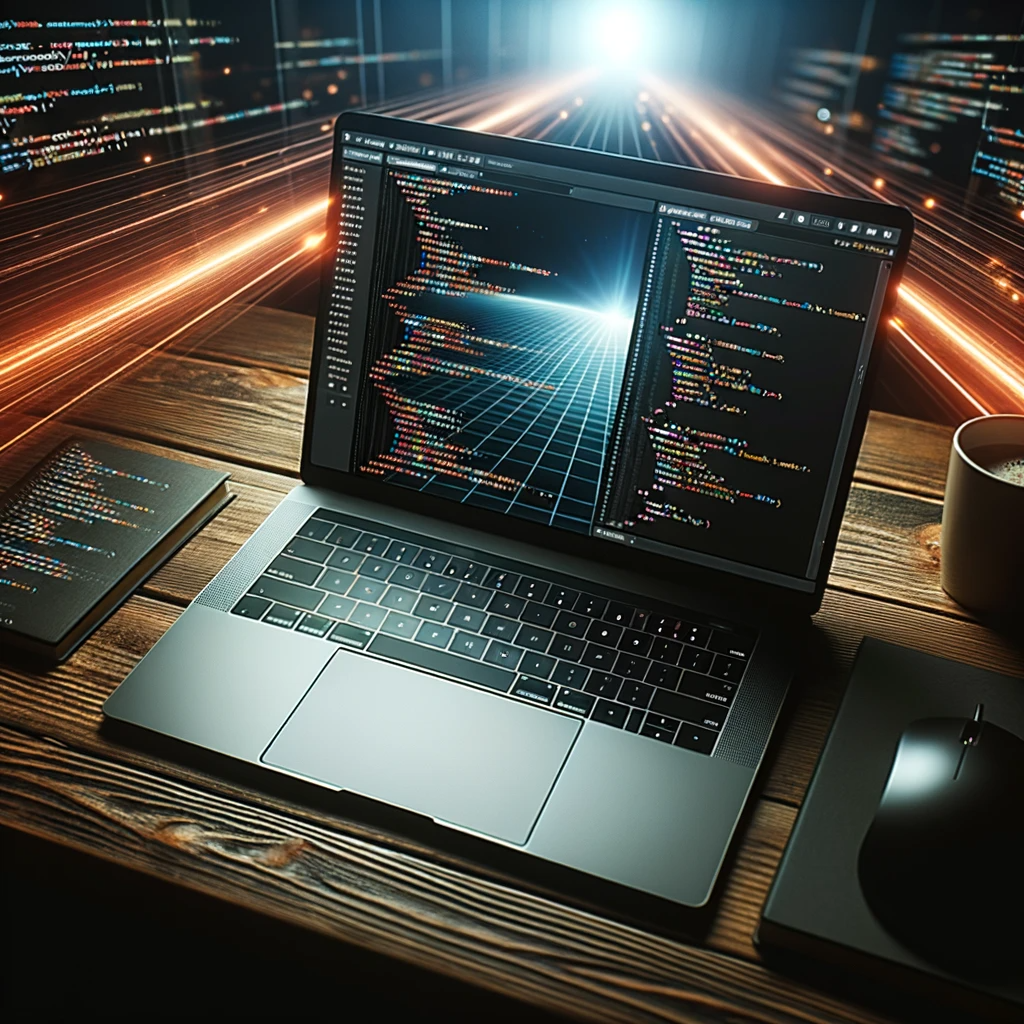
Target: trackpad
column 454, row 753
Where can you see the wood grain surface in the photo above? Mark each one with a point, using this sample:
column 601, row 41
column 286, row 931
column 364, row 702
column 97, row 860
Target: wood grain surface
column 234, row 401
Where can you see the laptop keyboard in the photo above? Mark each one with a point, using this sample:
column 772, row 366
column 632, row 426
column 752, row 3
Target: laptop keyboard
column 667, row 676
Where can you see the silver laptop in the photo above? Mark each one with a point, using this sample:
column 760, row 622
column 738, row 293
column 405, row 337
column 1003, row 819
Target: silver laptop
column 579, row 435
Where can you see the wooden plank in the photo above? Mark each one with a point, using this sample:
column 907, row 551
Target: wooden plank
column 259, row 336
column 249, row 415
column 478, row 930
column 888, row 547
column 904, row 454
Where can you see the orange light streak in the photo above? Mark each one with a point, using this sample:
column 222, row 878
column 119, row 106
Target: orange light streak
column 150, row 295
column 531, row 100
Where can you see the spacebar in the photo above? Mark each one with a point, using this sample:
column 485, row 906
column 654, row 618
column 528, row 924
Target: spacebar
column 438, row 661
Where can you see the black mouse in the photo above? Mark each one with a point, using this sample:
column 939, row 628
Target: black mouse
column 942, row 863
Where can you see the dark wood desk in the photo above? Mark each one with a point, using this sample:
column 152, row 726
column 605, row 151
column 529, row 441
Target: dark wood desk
column 235, row 401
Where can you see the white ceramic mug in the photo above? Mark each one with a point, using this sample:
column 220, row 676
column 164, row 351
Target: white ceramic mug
column 982, row 546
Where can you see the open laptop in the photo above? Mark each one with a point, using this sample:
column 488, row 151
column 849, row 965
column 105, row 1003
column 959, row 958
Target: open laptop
column 579, row 434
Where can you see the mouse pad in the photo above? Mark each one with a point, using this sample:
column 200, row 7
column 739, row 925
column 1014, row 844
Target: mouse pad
column 815, row 906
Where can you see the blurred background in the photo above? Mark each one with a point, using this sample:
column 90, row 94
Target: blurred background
column 164, row 165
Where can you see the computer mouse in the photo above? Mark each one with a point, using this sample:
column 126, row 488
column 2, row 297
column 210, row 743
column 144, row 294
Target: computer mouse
column 942, row 864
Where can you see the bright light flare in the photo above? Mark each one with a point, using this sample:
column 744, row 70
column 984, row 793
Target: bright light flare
column 616, row 36
column 929, row 203
column 313, row 241
column 879, row 183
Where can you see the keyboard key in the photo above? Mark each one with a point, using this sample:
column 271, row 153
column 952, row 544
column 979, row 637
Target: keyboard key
column 572, row 623
column 532, row 590
column 697, row 635
column 706, row 688
column 406, row 577
column 695, row 658
column 533, row 638
column 351, row 636
column 636, row 717
column 311, row 550
column 469, row 644
column 600, row 657
column 502, row 629
column 604, row 633
column 315, row 625
column 679, row 705
column 536, row 690
column 349, row 561
column 400, row 624
column 539, row 665
column 568, row 647
column 502, row 654
column 501, row 580
column 441, row 661
column 400, row 599
column 618, row 614
column 344, row 536
column 376, row 569
column 367, row 615
column 399, row 551
column 465, row 569
column 610, row 714
column 433, row 608
column 637, row 695
column 631, row 665
column 335, row 607
column 506, row 604
column 430, row 561
column 439, row 586
column 561, row 597
column 639, row 619
column 435, row 635
column 337, row 582
column 666, row 676
column 372, row 544
column 729, row 669
column 538, row 614
column 693, row 738
column 667, row 651
column 367, row 590
column 251, row 607
column 603, row 684
column 634, row 642
column 467, row 618
column 280, row 615
column 474, row 596
column 587, row 604
column 287, row 593
column 570, row 675
column 731, row 643
column 573, row 701
column 659, row 732
column 315, row 529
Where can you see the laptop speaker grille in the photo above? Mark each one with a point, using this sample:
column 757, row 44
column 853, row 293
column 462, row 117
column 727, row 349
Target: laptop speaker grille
column 232, row 581
column 752, row 717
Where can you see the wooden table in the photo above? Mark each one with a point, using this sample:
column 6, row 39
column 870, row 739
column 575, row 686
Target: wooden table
column 235, row 401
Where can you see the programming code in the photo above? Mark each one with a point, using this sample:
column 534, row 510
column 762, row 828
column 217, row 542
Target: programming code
column 45, row 529
column 496, row 349
column 739, row 332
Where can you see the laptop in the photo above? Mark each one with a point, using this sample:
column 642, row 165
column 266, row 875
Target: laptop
column 579, row 434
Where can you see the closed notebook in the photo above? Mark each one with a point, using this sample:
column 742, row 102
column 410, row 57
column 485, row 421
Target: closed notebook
column 82, row 529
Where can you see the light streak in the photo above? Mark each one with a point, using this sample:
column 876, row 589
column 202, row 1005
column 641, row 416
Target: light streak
column 530, row 101
column 158, row 290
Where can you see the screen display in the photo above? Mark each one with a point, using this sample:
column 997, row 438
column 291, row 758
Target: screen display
column 648, row 366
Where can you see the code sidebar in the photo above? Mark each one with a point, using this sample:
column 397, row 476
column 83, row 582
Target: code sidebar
column 346, row 315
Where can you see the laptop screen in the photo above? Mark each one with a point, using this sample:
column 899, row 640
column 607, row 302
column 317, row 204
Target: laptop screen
column 649, row 366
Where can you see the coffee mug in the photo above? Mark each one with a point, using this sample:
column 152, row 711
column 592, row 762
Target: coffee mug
column 982, row 545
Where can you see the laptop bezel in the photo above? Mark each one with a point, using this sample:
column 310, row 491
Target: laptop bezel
column 776, row 600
